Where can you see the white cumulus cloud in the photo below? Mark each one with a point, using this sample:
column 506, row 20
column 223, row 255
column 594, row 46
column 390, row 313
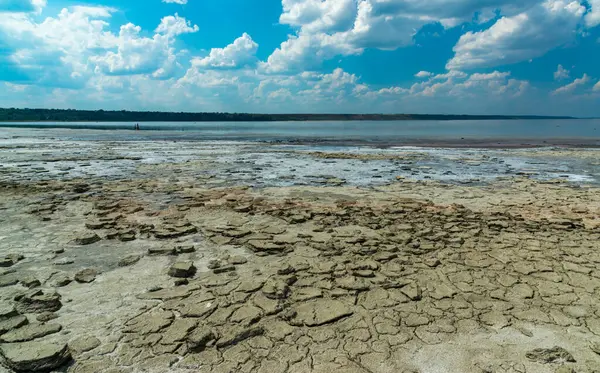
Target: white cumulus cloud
column 136, row 54
column 237, row 54
column 328, row 28
column 307, row 51
column 319, row 15
column 182, row 2
column 175, row 25
column 423, row 74
column 561, row 73
column 592, row 19
column 573, row 85
column 455, row 92
column 55, row 51
column 71, row 48
column 519, row 38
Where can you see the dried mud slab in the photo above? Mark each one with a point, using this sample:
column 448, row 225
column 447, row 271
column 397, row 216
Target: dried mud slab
column 184, row 276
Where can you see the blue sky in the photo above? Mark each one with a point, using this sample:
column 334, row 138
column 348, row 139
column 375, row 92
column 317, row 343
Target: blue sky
column 413, row 56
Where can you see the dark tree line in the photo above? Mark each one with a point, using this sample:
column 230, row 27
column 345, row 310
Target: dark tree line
column 58, row 115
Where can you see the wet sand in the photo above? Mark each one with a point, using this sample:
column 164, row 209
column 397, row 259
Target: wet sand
column 168, row 258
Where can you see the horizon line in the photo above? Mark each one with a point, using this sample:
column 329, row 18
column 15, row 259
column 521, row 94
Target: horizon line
column 291, row 114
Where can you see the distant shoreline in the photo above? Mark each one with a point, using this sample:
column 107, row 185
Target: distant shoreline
column 102, row 116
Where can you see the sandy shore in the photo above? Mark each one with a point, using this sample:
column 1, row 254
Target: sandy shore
column 188, row 266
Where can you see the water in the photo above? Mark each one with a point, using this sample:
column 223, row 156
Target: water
column 282, row 153
column 524, row 132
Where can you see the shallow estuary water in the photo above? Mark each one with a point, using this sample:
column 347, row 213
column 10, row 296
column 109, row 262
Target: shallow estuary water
column 33, row 154
column 458, row 133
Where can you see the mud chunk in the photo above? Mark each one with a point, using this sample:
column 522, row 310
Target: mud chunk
column 237, row 260
column 286, row 270
column 308, row 293
column 15, row 257
column 129, row 260
column 87, row 239
column 11, row 260
column 162, row 251
column 416, row 320
column 320, row 312
column 185, row 249
column 432, row 262
column 353, row 283
column 12, row 323
column 213, row 264
column 443, row 290
column 520, row 291
column 174, row 232
column 223, row 269
column 182, row 269
column 366, row 273
column 269, row 306
column 550, row 355
column 46, row 316
column 37, row 301
column 149, row 322
column 84, row 344
column 126, row 236
column 8, row 279
column 199, row 310
column 181, row 282
column 275, row 289
column 35, row 356
column 178, row 331
column 246, row 314
column 86, row 275
column 30, row 282
column 495, row 319
column 96, row 224
column 365, row 265
column 251, row 285
column 59, row 279
column 236, row 334
column 200, row 338
column 265, row 246
column 383, row 256
column 7, row 311
column 30, row 332
column 64, row 262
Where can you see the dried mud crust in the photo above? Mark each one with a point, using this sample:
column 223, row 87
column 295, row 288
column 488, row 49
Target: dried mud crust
column 344, row 279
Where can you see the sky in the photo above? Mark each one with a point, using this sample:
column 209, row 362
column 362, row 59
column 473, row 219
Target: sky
column 303, row 56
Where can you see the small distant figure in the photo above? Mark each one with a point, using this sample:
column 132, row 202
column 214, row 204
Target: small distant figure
column 137, row 127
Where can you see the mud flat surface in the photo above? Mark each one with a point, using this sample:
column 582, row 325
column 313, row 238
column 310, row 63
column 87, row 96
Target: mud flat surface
column 170, row 258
